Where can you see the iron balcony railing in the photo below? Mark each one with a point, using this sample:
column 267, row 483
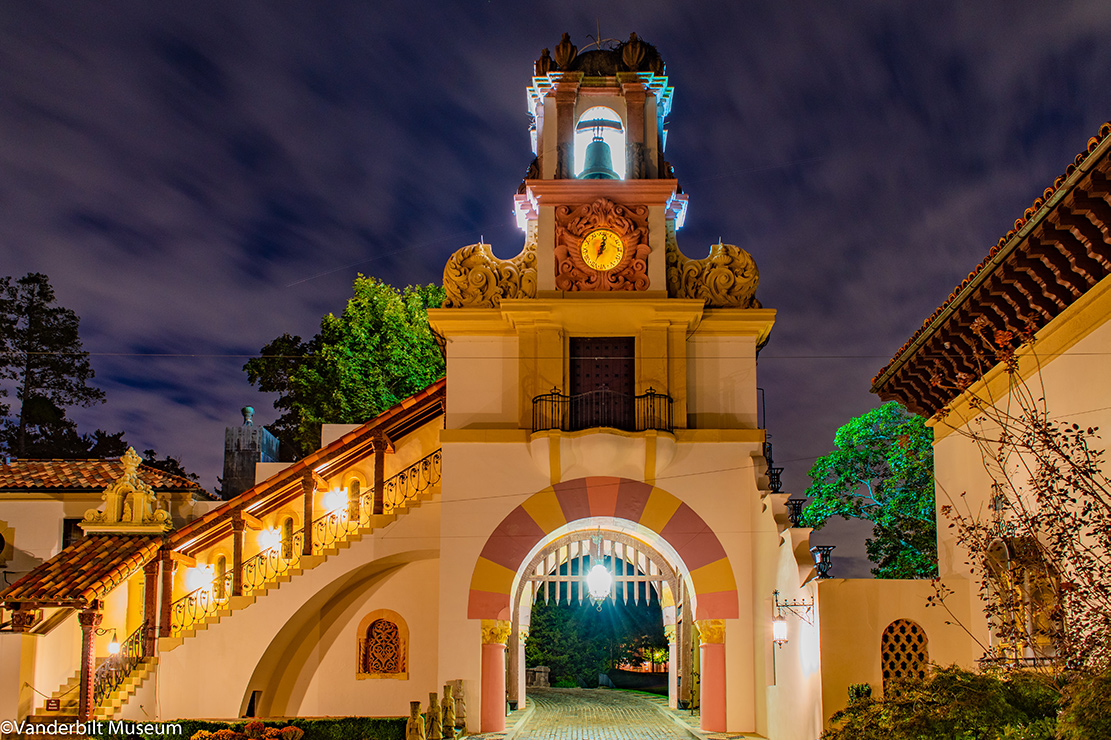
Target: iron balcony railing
column 112, row 672
column 327, row 529
column 602, row 408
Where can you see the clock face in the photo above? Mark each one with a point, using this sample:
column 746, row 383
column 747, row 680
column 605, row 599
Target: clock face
column 602, row 249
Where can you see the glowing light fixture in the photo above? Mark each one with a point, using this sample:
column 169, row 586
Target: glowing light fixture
column 269, row 539
column 113, row 644
column 335, row 500
column 779, row 629
column 199, row 577
column 598, row 583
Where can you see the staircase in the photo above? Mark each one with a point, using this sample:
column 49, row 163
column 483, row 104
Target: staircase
column 69, row 696
column 304, row 563
column 120, row 695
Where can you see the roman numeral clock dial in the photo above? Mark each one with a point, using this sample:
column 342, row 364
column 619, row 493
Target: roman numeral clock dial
column 602, row 249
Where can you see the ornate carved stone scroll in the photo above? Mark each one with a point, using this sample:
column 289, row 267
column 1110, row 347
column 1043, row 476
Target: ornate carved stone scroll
column 475, row 278
column 711, row 630
column 495, row 631
column 130, row 505
column 575, row 222
column 727, row 278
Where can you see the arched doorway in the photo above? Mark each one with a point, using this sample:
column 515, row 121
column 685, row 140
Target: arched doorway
column 660, row 519
column 639, row 576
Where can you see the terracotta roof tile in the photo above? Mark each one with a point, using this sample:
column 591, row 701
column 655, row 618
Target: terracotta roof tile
column 1093, row 142
column 82, row 474
column 85, row 571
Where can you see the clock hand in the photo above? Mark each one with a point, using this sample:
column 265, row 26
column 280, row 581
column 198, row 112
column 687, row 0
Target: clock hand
column 602, row 246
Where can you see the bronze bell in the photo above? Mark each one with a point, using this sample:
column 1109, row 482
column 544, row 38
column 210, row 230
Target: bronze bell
column 598, row 162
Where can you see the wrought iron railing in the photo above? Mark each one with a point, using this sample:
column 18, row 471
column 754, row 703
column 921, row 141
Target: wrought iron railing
column 267, row 565
column 413, row 481
column 327, row 530
column 199, row 603
column 602, row 408
column 112, row 672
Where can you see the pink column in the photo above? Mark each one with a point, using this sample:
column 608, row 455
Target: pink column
column 494, row 634
column 712, row 678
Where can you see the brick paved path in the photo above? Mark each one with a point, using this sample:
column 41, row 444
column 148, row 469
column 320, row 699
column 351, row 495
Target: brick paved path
column 596, row 714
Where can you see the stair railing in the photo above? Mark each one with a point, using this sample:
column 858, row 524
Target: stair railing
column 113, row 671
column 328, row 529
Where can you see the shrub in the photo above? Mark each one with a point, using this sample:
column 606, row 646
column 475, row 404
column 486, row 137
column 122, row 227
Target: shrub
column 254, row 730
column 1086, row 710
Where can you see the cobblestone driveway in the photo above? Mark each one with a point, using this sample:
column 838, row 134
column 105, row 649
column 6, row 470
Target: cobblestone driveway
column 596, row 714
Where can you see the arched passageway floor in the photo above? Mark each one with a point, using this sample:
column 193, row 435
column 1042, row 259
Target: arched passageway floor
column 596, row 714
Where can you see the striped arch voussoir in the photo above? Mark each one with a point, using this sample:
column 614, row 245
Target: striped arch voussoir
column 653, row 508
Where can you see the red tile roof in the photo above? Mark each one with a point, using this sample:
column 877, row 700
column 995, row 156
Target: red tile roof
column 84, row 571
column 83, row 475
column 1030, row 212
column 408, row 409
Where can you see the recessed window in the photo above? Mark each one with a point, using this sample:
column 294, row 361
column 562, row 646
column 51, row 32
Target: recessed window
column 382, row 646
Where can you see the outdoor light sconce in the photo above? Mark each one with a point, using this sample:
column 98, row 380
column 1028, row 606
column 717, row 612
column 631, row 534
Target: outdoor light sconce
column 800, row 608
column 822, row 560
column 113, row 644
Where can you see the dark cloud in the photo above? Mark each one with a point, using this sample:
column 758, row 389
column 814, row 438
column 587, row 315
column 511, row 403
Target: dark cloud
column 197, row 179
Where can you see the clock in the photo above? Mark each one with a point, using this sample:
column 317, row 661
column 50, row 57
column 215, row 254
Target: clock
column 602, row 249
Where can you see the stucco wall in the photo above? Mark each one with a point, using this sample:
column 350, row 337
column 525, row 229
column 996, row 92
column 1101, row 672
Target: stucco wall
column 855, row 612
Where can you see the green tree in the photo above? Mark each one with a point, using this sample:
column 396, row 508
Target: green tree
column 41, row 353
column 882, row 471
column 379, row 351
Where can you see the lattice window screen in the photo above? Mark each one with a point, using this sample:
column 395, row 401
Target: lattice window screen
column 904, row 651
column 383, row 648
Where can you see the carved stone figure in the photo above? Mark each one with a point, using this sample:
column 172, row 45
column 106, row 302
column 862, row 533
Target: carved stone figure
column 543, row 64
column 432, row 722
column 414, row 727
column 726, row 278
column 447, row 713
column 475, row 278
column 565, row 51
column 129, row 503
column 460, row 705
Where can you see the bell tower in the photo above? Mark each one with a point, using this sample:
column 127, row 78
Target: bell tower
column 601, row 355
column 599, row 191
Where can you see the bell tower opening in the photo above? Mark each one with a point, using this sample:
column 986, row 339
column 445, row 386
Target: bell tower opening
column 599, row 145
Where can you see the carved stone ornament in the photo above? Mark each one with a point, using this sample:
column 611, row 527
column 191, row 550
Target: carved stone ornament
column 447, row 713
column 565, row 51
column 711, row 630
column 414, row 726
column 433, row 726
column 573, row 223
column 495, row 631
column 130, row 505
column 460, row 704
column 24, row 619
column 475, row 278
column 727, row 278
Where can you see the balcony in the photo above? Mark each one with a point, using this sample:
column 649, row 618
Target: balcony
column 602, row 408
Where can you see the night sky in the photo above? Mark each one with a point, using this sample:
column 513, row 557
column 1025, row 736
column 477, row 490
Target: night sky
column 198, row 178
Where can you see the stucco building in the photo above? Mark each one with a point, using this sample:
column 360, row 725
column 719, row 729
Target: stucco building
column 600, row 407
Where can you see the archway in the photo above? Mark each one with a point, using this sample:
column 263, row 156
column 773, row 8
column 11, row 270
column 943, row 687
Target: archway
column 643, row 584
column 675, row 526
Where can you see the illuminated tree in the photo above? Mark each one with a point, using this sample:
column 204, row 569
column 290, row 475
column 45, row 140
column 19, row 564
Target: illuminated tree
column 379, row 351
column 882, row 471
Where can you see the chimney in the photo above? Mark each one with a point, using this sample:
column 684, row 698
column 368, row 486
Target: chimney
column 244, row 446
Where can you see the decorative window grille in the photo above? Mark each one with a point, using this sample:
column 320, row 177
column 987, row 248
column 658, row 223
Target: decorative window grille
column 904, row 652
column 383, row 646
